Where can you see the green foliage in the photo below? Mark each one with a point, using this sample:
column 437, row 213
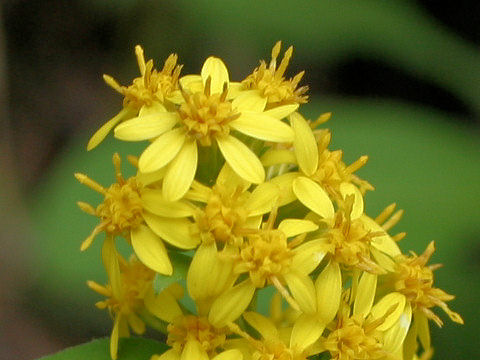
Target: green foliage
column 129, row 349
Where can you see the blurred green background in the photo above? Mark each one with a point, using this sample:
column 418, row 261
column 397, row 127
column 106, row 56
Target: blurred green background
column 402, row 79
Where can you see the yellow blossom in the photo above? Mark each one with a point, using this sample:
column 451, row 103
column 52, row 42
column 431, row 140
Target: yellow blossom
column 206, row 117
column 126, row 293
column 271, row 83
column 129, row 209
column 148, row 92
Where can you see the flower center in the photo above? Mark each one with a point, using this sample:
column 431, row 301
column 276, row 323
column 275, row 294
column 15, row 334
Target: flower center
column 223, row 215
column 265, row 255
column 122, row 207
column 189, row 327
column 350, row 341
column 275, row 350
column 206, row 116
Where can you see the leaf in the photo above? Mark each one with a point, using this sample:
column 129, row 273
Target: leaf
column 180, row 265
column 98, row 349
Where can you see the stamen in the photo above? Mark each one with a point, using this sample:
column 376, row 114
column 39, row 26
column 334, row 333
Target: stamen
column 385, row 214
column 393, row 220
column 286, row 295
column 140, row 59
column 85, row 180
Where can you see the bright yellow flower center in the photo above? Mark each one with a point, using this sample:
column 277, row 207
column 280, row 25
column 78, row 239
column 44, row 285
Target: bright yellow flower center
column 189, row 327
column 415, row 280
column 271, row 83
column 351, row 340
column 122, row 207
column 223, row 216
column 265, row 255
column 206, row 116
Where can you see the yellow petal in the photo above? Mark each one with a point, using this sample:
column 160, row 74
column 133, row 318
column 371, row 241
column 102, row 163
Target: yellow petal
column 229, row 178
column 153, row 201
column 101, row 133
column 217, row 71
column 181, row 171
column 394, row 337
column 313, row 197
column 306, row 330
column 151, row 177
column 164, row 305
column 154, row 108
column 232, row 354
column 193, row 350
column 231, row 304
column 150, row 250
column 382, row 259
column 114, row 338
column 263, row 127
column 242, row 160
column 308, row 256
column 385, row 304
column 278, row 156
column 384, row 243
column 174, row 231
column 294, row 227
column 137, row 324
column 329, row 288
column 171, row 354
column 421, row 322
column 350, row 189
column 249, row 100
column 285, row 187
column 261, row 199
column 161, row 151
column 193, row 83
column 281, row 112
column 208, row 275
column 262, row 324
column 146, row 126
column 303, row 291
column 365, row 294
column 305, row 144
column 110, row 261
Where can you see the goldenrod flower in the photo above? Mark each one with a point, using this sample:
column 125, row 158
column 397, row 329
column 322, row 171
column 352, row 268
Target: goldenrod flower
column 295, row 343
column 206, row 117
column 129, row 209
column 129, row 287
column 414, row 279
column 146, row 93
column 271, row 83
column 350, row 235
column 369, row 332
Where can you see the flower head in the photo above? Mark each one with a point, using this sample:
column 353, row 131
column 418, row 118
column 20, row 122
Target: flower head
column 271, row 83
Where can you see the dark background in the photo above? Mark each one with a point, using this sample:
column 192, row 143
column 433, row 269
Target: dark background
column 415, row 55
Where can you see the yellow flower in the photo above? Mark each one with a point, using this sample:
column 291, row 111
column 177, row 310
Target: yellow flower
column 149, row 91
column 272, row 84
column 296, row 343
column 369, row 332
column 414, row 279
column 129, row 209
column 351, row 237
column 206, row 117
column 130, row 286
column 310, row 153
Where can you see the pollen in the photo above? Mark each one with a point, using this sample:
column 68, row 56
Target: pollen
column 271, row 82
column 153, row 85
column 205, row 115
column 415, row 280
column 194, row 328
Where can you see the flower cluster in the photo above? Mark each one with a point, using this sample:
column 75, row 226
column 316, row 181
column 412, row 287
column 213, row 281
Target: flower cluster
column 241, row 186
